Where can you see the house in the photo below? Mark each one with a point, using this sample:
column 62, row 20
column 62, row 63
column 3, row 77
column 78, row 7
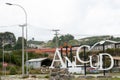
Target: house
column 39, row 62
column 116, row 61
column 35, row 44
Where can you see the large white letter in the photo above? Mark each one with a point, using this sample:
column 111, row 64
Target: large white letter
column 77, row 53
column 73, row 64
column 97, row 64
column 57, row 53
column 101, row 61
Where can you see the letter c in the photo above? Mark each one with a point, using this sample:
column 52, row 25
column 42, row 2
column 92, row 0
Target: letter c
column 77, row 53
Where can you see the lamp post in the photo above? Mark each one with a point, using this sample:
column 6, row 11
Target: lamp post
column 3, row 57
column 23, row 37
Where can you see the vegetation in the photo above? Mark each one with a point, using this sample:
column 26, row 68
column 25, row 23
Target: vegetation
column 62, row 40
column 97, row 79
column 13, row 70
column 7, row 37
column 68, row 38
column 18, row 44
column 14, row 55
column 92, row 40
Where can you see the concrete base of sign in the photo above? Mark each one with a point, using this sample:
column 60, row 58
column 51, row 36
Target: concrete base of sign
column 60, row 74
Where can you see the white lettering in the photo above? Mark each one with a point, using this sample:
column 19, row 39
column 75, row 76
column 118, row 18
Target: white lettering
column 101, row 61
column 77, row 53
column 57, row 53
column 99, row 64
column 70, row 63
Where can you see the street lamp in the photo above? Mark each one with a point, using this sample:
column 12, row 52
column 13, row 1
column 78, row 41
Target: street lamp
column 23, row 37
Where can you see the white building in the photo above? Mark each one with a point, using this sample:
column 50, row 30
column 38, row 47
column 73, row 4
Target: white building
column 37, row 63
column 35, row 44
column 116, row 61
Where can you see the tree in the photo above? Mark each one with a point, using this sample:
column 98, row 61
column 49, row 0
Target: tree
column 73, row 42
column 62, row 39
column 19, row 43
column 65, row 39
column 68, row 37
column 7, row 37
column 50, row 44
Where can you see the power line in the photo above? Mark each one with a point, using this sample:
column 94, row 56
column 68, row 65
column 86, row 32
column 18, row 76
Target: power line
column 4, row 26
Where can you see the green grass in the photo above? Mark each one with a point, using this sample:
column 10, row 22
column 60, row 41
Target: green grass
column 97, row 79
column 116, row 79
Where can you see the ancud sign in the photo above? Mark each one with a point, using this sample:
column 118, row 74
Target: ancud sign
column 99, row 63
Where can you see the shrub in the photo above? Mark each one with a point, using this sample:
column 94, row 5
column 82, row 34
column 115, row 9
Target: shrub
column 46, row 76
column 13, row 71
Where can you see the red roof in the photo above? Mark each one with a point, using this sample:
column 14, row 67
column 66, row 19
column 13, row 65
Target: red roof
column 42, row 50
column 51, row 50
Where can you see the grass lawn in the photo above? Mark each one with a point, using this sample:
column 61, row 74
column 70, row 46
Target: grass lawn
column 98, row 79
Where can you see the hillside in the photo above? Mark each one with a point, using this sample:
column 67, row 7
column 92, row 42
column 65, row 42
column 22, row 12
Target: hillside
column 92, row 40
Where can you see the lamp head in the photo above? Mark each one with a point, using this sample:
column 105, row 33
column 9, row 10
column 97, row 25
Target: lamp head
column 9, row 4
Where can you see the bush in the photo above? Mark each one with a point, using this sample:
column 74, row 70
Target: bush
column 35, row 71
column 46, row 76
column 25, row 76
column 1, row 65
column 45, row 55
column 13, row 71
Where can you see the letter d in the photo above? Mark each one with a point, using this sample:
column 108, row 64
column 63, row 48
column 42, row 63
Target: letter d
column 101, row 61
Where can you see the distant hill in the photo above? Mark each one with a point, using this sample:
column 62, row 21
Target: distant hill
column 92, row 40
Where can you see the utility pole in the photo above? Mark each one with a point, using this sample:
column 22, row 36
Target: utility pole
column 23, row 72
column 56, row 34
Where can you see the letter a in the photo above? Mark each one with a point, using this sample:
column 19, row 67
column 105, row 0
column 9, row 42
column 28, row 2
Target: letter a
column 57, row 53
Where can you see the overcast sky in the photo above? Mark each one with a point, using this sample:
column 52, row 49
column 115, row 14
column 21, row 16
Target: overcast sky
column 77, row 17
